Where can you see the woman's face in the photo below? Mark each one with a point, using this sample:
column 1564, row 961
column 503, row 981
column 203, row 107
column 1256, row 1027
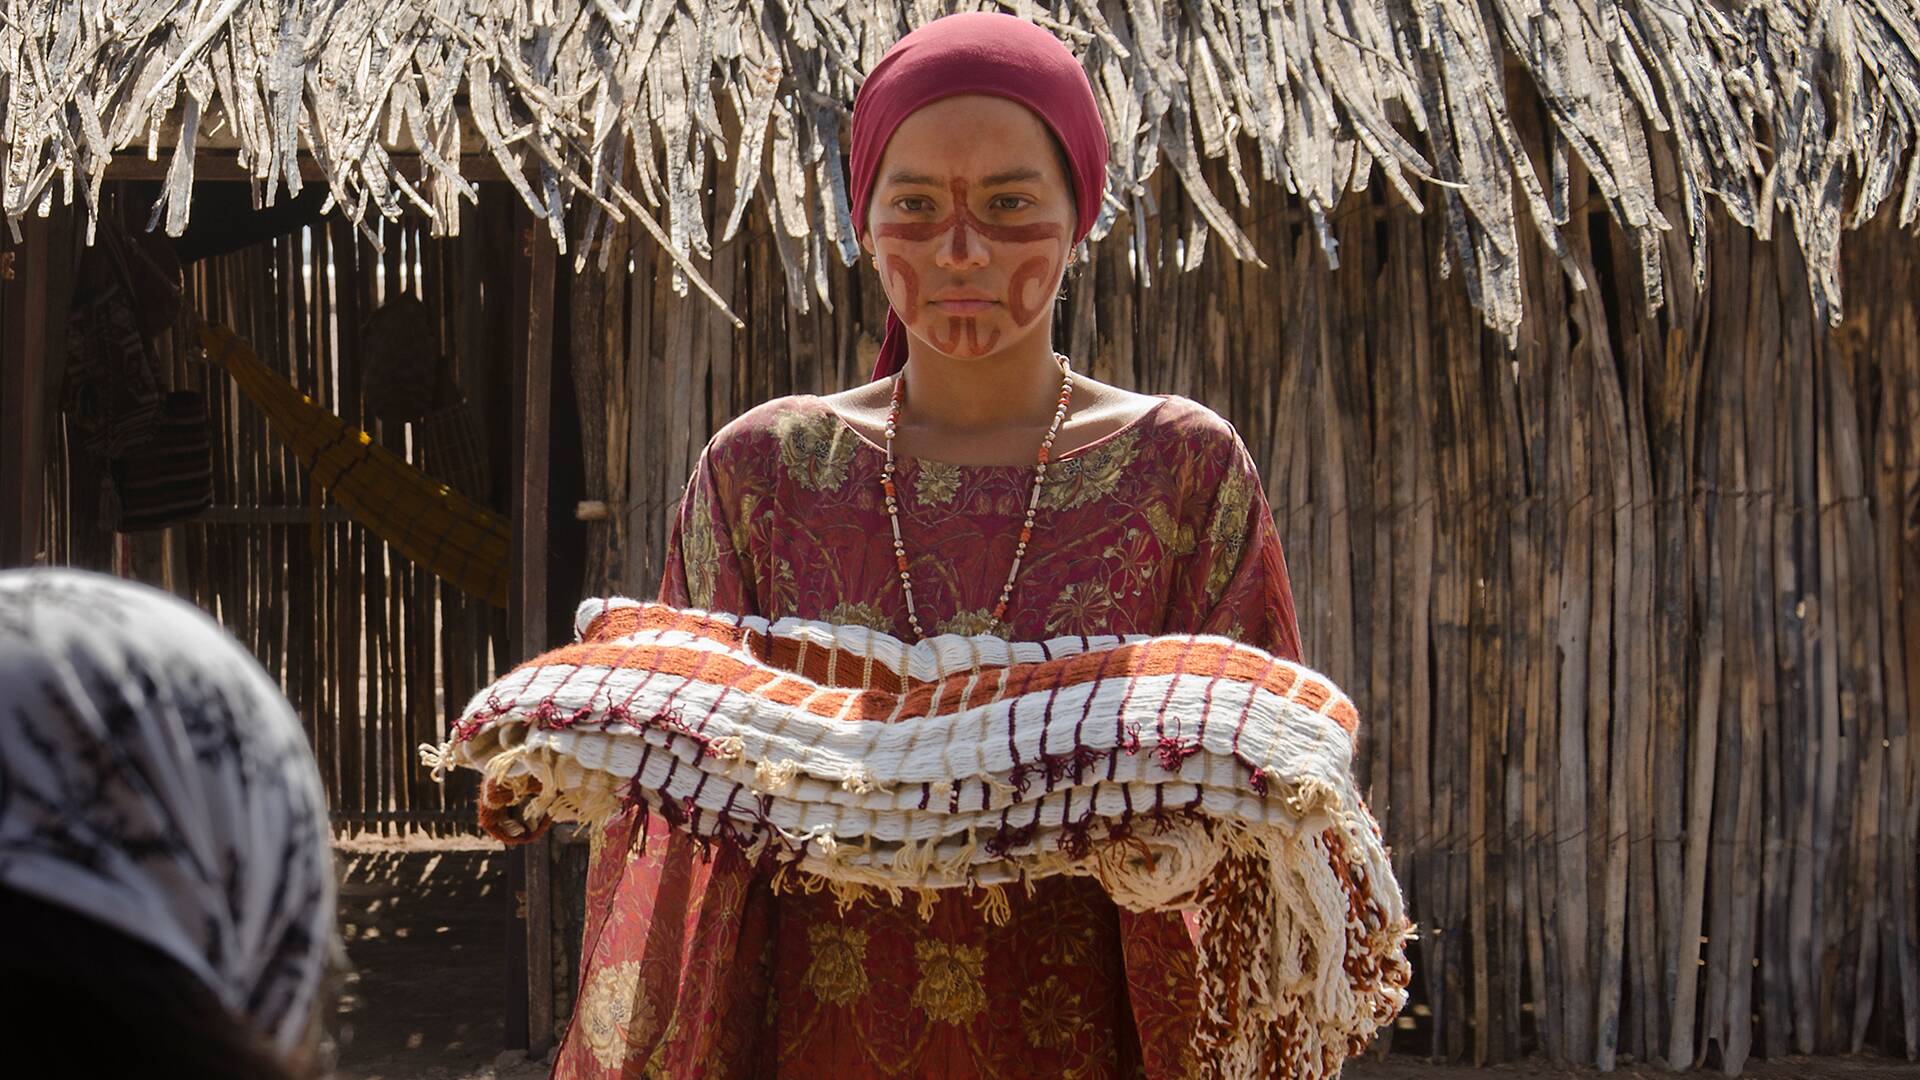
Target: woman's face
column 970, row 225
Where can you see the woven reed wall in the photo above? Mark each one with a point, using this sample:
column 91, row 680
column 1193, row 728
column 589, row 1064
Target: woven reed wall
column 376, row 654
column 1632, row 610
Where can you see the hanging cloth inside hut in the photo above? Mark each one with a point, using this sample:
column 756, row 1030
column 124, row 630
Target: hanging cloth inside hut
column 405, row 378
column 401, row 364
column 155, row 446
column 434, row 526
column 126, row 294
column 171, row 477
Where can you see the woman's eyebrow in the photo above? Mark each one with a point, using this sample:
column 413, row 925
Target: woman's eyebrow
column 1011, row 176
column 912, row 179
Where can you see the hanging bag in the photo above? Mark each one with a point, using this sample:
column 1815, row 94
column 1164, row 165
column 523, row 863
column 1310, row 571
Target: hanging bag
column 171, row 478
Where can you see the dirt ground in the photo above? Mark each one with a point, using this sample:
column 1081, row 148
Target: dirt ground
column 426, row 924
column 1851, row 1068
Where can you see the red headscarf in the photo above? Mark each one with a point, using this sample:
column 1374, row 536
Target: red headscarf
column 977, row 53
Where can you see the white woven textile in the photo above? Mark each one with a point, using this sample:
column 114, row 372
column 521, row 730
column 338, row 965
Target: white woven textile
column 1148, row 763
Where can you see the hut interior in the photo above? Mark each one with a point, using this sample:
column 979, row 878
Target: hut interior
column 370, row 645
column 1579, row 348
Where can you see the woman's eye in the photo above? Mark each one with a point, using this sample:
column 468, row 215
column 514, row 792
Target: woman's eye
column 1011, row 202
column 914, row 204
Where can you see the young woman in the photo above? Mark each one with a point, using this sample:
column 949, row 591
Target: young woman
column 980, row 484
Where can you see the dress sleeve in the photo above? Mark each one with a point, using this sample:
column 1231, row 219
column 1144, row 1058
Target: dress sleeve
column 1233, row 582
column 678, row 937
column 703, row 568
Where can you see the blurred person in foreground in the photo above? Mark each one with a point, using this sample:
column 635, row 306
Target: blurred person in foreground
column 165, row 875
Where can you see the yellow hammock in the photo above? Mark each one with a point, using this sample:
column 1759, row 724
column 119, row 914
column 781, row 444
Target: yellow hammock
column 432, row 525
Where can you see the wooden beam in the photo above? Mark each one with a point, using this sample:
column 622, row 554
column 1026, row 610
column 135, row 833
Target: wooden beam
column 267, row 515
column 219, row 164
column 532, row 404
column 29, row 366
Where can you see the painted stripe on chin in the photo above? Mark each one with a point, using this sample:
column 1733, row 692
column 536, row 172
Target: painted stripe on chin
column 961, row 327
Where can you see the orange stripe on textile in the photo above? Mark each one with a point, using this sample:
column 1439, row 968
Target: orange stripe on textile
column 602, row 645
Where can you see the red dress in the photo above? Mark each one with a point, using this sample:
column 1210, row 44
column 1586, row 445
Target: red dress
column 695, row 967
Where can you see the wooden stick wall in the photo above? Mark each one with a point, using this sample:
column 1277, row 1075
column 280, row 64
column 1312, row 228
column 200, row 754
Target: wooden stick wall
column 1632, row 608
column 375, row 653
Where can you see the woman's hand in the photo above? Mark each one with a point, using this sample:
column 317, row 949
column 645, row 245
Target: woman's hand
column 500, row 812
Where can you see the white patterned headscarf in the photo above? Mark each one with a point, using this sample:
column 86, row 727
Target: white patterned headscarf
column 152, row 778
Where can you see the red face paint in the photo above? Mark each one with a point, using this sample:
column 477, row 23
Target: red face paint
column 908, row 282
column 961, row 220
column 959, row 327
column 1036, row 273
column 962, row 334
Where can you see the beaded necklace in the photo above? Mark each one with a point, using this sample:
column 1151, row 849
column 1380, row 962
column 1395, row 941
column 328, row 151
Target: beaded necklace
column 1033, row 499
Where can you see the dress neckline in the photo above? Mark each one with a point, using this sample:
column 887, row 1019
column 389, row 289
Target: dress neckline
column 869, row 444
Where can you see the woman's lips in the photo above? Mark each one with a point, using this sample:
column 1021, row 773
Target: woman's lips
column 965, row 307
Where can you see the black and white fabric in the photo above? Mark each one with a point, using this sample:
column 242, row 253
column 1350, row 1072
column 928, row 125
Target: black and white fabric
column 153, row 778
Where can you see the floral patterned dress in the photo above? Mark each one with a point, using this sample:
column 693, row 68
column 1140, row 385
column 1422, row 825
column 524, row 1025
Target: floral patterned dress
column 694, row 966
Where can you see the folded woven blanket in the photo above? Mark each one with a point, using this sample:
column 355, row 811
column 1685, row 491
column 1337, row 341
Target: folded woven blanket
column 1182, row 772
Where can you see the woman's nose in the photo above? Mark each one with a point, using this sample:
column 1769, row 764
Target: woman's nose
column 964, row 248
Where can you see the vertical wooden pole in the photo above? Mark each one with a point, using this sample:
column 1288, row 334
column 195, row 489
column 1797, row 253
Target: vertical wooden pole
column 27, row 368
column 532, row 402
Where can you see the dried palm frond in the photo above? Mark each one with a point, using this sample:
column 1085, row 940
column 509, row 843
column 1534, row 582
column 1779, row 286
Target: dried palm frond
column 639, row 107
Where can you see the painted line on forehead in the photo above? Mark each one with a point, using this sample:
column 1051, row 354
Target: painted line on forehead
column 958, row 327
column 962, row 219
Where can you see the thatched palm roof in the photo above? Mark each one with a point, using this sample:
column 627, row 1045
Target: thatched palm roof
column 639, row 106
